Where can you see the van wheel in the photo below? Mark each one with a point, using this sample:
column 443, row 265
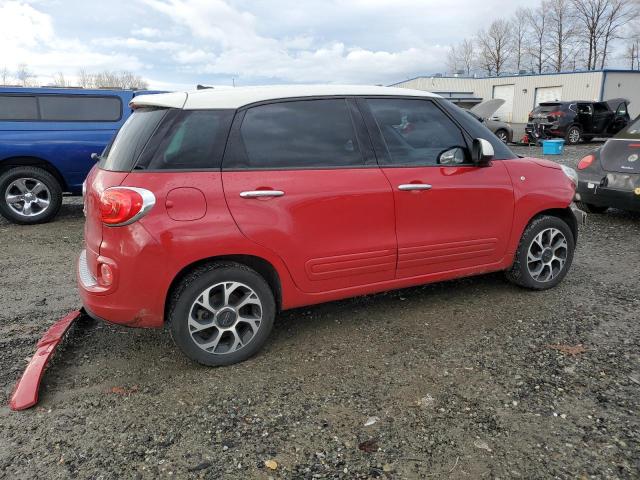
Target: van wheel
column 544, row 254
column 29, row 195
column 221, row 314
column 573, row 135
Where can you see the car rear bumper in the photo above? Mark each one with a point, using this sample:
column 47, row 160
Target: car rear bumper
column 127, row 303
column 594, row 194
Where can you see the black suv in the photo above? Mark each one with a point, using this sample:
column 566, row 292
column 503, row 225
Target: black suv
column 578, row 120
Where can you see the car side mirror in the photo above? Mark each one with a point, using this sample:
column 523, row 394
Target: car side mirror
column 481, row 152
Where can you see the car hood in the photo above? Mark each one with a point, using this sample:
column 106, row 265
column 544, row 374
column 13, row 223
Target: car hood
column 545, row 163
column 488, row 108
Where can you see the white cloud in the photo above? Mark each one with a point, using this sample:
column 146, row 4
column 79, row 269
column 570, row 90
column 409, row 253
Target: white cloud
column 147, row 32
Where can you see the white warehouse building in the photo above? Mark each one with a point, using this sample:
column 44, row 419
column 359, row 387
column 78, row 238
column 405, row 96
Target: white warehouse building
column 522, row 93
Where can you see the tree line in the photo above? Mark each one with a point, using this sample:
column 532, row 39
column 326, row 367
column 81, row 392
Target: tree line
column 555, row 36
column 23, row 76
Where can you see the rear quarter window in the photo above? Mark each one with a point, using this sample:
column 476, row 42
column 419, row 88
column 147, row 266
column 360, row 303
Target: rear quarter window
column 188, row 140
column 123, row 151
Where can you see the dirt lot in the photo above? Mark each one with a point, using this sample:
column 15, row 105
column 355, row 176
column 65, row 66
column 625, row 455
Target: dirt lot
column 466, row 379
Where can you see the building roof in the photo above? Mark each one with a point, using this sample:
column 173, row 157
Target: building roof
column 241, row 96
column 515, row 75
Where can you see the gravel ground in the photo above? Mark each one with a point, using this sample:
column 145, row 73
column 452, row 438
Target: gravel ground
column 472, row 378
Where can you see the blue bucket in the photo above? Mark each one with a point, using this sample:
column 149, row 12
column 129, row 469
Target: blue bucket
column 552, row 147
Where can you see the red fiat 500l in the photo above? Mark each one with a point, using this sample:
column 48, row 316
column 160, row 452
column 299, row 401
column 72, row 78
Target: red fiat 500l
column 212, row 210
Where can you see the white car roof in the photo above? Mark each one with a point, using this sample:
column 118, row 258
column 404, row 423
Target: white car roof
column 241, row 96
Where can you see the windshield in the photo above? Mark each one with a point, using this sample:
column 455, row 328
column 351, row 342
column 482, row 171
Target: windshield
column 123, row 151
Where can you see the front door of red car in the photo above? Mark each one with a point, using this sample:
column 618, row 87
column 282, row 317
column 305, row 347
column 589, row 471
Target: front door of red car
column 300, row 178
column 450, row 214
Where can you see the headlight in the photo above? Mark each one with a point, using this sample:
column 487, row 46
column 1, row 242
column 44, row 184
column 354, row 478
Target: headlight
column 571, row 173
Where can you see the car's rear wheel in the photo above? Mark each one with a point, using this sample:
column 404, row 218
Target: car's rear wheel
column 503, row 135
column 591, row 208
column 29, row 195
column 544, row 254
column 221, row 314
column 573, row 135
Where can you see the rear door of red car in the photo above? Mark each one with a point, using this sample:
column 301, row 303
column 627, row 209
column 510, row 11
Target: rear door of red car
column 300, row 178
column 451, row 215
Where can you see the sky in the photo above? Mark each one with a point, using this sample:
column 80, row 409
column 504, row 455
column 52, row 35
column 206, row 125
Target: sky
column 176, row 44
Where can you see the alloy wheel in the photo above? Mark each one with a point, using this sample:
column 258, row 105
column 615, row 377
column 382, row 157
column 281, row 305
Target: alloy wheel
column 225, row 317
column 547, row 255
column 27, row 197
column 574, row 135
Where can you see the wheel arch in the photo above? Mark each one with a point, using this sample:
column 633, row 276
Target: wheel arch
column 259, row 264
column 31, row 161
column 564, row 214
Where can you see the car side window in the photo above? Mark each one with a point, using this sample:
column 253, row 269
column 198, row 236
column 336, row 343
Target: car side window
column 416, row 132
column 188, row 139
column 80, row 108
column 600, row 108
column 622, row 110
column 18, row 107
column 299, row 134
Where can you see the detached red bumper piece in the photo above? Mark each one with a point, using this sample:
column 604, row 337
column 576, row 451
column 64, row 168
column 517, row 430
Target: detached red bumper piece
column 25, row 393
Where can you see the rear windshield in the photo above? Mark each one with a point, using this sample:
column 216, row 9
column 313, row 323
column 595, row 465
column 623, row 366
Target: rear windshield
column 547, row 107
column 621, row 156
column 123, row 151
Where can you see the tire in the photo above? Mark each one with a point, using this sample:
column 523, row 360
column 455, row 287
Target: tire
column 591, row 208
column 573, row 135
column 502, row 135
column 30, row 187
column 217, row 343
column 523, row 271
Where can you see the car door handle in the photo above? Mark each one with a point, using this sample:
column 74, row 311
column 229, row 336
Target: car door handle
column 261, row 193
column 414, row 186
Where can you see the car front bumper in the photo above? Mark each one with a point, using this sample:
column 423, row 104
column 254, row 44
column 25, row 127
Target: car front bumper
column 581, row 216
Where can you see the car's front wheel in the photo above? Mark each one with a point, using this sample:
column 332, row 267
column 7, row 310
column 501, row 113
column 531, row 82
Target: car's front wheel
column 503, row 136
column 29, row 195
column 544, row 254
column 221, row 314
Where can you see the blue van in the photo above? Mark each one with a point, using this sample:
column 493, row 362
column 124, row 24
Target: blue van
column 47, row 136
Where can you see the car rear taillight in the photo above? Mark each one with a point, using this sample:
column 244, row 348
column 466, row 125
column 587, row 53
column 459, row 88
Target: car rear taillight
column 586, row 162
column 124, row 205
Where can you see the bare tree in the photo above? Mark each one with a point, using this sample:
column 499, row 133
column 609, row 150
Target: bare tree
column 467, row 55
column 4, row 75
column 452, row 59
column 85, row 80
column 590, row 15
column 520, row 29
column 23, row 74
column 619, row 13
column 538, row 21
column 59, row 80
column 633, row 54
column 111, row 79
column 495, row 47
column 461, row 58
column 562, row 32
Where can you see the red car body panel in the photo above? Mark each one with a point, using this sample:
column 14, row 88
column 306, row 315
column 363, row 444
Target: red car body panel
column 25, row 392
column 333, row 228
column 449, row 226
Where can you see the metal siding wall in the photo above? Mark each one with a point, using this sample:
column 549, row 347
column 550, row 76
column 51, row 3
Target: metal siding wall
column 576, row 86
column 629, row 88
